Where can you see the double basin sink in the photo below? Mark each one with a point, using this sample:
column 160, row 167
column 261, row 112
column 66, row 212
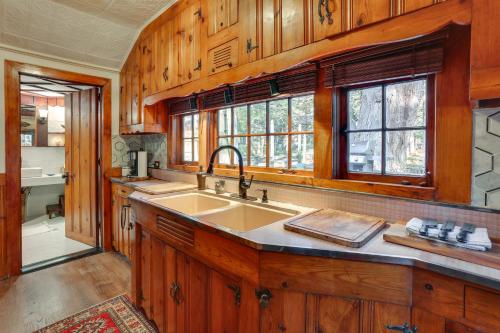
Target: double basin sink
column 227, row 212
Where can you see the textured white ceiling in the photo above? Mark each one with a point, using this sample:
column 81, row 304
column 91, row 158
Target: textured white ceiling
column 97, row 32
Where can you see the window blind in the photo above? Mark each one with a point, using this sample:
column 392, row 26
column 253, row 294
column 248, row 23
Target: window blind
column 182, row 105
column 397, row 60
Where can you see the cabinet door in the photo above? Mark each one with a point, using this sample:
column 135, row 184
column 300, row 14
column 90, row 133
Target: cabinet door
column 115, row 221
column 188, row 33
column 286, row 311
column 145, row 262
column 411, row 5
column 192, row 279
column 165, row 70
column 157, row 284
column 283, row 28
column 381, row 314
column 224, row 303
column 427, row 322
column 369, row 11
column 327, row 18
column 170, row 283
column 124, row 98
column 221, row 14
column 136, row 89
column 292, row 28
column 332, row 314
column 147, row 65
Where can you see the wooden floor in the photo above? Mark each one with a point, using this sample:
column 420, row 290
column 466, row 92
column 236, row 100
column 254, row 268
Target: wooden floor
column 37, row 299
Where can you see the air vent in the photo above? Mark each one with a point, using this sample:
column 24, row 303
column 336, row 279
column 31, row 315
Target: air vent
column 175, row 231
column 223, row 57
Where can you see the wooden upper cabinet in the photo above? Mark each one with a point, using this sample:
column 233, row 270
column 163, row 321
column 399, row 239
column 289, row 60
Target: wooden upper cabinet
column 223, row 57
column 188, row 32
column 136, row 87
column 125, row 97
column 411, row 5
column 327, row 18
column 165, row 73
column 283, row 28
column 369, row 11
column 221, row 14
column 147, row 65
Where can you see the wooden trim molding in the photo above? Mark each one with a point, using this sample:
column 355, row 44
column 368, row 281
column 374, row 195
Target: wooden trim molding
column 3, row 240
column 13, row 152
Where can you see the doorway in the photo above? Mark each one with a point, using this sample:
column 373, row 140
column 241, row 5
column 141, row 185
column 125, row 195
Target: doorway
column 78, row 205
column 58, row 169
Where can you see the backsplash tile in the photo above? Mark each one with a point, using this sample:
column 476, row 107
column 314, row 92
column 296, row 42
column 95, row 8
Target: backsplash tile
column 391, row 209
column 154, row 144
column 486, row 159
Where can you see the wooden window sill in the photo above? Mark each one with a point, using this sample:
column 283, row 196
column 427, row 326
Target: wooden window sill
column 388, row 189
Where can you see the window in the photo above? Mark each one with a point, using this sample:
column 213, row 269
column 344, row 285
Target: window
column 275, row 134
column 387, row 129
column 190, row 138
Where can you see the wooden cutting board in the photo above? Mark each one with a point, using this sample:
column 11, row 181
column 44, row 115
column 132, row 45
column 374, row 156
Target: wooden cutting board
column 336, row 226
column 397, row 234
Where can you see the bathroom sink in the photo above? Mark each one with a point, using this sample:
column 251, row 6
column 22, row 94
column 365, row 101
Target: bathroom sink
column 31, row 172
column 244, row 217
column 191, row 203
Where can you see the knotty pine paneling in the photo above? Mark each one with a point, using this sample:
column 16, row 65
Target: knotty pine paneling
column 3, row 240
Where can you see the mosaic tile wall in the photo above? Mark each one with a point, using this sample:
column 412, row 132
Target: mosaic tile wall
column 486, row 159
column 154, row 144
column 391, row 209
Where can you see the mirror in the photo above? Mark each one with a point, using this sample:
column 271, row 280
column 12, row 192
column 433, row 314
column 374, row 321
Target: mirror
column 42, row 125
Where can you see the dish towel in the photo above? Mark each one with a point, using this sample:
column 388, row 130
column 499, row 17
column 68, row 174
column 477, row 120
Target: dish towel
column 479, row 240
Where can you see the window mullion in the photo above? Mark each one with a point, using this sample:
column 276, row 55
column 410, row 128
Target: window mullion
column 248, row 135
column 289, row 137
column 383, row 152
column 267, row 135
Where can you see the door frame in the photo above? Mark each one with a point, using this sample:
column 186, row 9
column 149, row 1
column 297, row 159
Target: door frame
column 13, row 221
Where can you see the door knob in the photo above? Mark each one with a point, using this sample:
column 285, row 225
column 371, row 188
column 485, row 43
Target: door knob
column 66, row 177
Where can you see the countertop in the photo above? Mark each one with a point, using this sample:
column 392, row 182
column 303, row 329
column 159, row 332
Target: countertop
column 130, row 182
column 275, row 238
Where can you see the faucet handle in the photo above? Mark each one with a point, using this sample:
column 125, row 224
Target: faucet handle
column 264, row 195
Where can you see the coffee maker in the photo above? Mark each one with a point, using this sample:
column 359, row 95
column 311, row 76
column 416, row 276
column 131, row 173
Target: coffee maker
column 138, row 163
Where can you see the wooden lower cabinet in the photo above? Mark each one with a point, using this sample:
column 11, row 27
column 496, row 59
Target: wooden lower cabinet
column 181, row 294
column 121, row 221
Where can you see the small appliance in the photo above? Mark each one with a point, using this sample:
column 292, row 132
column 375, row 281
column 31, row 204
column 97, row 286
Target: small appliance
column 138, row 163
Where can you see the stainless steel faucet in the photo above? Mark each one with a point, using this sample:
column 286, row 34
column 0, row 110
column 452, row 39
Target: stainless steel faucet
column 243, row 185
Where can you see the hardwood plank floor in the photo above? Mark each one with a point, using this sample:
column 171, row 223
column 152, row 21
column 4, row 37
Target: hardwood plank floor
column 37, row 299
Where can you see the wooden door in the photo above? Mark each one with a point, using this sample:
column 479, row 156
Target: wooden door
column 188, row 24
column 327, row 18
column 332, row 314
column 221, row 14
column 286, row 312
column 81, row 166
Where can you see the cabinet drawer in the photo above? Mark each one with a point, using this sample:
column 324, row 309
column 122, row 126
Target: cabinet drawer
column 353, row 279
column 438, row 294
column 121, row 190
column 482, row 307
column 223, row 57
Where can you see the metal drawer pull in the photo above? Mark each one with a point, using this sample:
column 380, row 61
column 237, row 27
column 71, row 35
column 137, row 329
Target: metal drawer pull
column 402, row 328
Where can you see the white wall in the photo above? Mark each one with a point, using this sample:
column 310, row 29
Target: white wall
column 47, row 61
column 50, row 159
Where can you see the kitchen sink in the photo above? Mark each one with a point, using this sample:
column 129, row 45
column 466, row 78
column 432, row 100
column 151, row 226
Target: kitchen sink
column 244, row 217
column 191, row 203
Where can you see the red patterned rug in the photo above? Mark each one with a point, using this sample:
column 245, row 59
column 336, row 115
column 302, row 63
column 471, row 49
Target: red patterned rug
column 116, row 315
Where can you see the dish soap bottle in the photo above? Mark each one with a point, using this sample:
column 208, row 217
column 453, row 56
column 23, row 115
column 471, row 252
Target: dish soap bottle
column 201, row 177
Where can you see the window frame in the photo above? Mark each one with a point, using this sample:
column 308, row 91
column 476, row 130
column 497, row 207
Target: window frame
column 289, row 170
column 341, row 165
column 181, row 138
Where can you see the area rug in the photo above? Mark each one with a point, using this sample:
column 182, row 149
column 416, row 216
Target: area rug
column 116, row 315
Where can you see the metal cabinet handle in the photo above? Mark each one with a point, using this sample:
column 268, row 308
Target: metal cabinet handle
column 122, row 218
column 320, row 11
column 264, row 296
column 165, row 74
column 237, row 293
column 198, row 67
column 175, row 291
column 405, row 328
column 66, row 176
column 250, row 46
column 329, row 13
